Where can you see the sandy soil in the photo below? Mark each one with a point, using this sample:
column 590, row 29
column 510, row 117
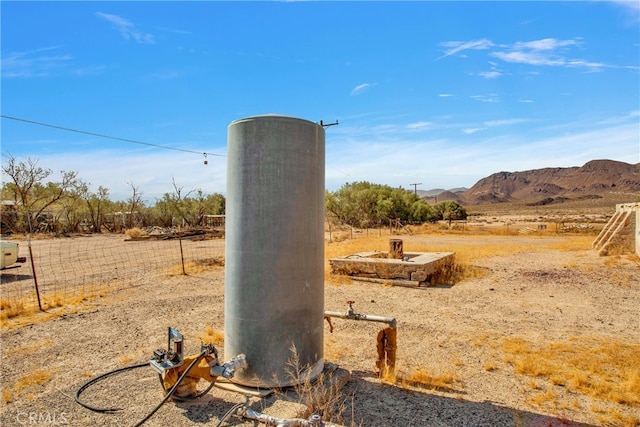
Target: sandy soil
column 540, row 296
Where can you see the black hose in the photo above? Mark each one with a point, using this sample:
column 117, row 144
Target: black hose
column 229, row 413
column 98, row 378
column 173, row 389
column 168, row 394
column 188, row 398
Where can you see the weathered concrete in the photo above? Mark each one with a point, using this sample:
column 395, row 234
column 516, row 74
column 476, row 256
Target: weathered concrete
column 415, row 266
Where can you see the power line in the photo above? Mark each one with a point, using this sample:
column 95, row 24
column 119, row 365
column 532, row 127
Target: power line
column 33, row 122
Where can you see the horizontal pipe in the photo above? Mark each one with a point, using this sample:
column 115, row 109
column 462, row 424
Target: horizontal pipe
column 391, row 321
column 312, row 421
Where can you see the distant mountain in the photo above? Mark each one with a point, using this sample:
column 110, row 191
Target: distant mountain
column 437, row 191
column 595, row 179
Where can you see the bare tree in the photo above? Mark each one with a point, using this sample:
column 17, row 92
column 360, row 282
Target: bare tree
column 178, row 202
column 95, row 204
column 135, row 204
column 31, row 194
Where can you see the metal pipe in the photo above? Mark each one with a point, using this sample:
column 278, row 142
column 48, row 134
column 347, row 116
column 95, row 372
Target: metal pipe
column 228, row 369
column 312, row 421
column 391, row 321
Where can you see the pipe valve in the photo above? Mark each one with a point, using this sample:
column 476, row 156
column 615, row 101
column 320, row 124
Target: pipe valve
column 228, row 369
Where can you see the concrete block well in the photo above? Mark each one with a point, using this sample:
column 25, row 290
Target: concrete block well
column 418, row 267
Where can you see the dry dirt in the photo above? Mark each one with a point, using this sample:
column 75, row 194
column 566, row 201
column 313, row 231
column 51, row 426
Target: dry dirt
column 543, row 296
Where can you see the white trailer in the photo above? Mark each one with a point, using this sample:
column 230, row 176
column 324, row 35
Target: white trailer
column 9, row 255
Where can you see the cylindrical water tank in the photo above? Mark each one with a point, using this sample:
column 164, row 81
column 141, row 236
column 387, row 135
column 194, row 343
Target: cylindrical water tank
column 274, row 254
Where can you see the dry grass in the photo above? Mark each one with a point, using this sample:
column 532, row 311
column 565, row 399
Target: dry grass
column 195, row 267
column 135, row 232
column 29, row 348
column 10, row 308
column 542, row 398
column 15, row 313
column 604, row 368
column 334, row 352
column 137, row 355
column 489, row 366
column 423, row 378
column 320, row 395
column 212, row 336
column 610, row 417
column 27, row 384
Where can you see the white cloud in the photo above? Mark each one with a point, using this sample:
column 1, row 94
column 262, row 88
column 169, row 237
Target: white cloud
column 456, row 47
column 542, row 52
column 544, row 44
column 486, row 98
column 445, row 95
column 471, row 131
column 384, row 128
column 34, row 63
column 361, row 88
column 632, row 7
column 545, row 52
column 419, row 125
column 127, row 29
column 493, row 74
column 505, row 122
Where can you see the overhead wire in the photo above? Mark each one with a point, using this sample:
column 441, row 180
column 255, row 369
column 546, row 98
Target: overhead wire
column 100, row 135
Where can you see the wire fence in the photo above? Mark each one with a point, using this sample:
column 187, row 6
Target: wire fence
column 63, row 269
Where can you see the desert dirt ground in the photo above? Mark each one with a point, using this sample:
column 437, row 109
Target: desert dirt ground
column 540, row 292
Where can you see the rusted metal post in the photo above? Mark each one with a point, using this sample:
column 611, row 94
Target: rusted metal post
column 33, row 271
column 395, row 249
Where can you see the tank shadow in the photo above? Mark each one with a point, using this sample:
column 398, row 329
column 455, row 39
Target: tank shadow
column 430, row 409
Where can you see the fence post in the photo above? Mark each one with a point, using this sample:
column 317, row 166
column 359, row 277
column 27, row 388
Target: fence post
column 33, row 267
column 33, row 271
column 184, row 273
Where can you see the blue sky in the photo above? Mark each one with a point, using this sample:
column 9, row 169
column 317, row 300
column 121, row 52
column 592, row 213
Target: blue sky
column 440, row 93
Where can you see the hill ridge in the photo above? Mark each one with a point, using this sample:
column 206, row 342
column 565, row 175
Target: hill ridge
column 595, row 179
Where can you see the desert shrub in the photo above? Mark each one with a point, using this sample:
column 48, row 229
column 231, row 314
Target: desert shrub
column 135, row 232
column 320, row 395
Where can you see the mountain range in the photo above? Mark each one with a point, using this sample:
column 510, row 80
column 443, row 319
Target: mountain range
column 596, row 180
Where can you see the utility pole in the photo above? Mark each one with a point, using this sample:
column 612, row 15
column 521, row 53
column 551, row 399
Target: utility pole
column 415, row 187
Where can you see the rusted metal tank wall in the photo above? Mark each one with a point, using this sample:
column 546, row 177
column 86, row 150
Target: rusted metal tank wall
column 274, row 267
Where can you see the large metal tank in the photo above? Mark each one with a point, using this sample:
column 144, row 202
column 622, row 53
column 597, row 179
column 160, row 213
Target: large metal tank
column 274, row 266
